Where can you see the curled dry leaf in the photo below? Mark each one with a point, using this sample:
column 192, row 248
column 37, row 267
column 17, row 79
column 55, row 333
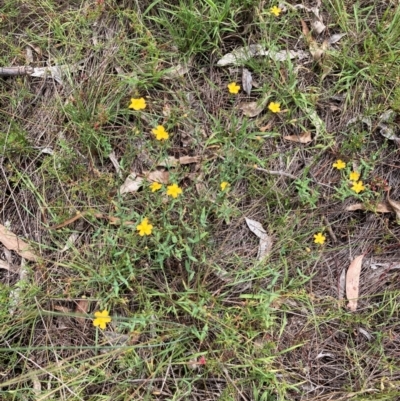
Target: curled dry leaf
column 380, row 208
column 353, row 282
column 251, row 109
column 265, row 245
column 14, row 243
column 132, row 184
column 160, row 176
column 247, row 81
column 318, row 26
column 173, row 161
column 176, row 72
column 304, row 137
column 395, row 206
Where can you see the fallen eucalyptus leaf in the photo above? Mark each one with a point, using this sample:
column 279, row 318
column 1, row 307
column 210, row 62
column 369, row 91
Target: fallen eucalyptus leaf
column 14, row 243
column 395, row 206
column 265, row 245
column 247, row 81
column 342, row 284
column 251, row 109
column 380, row 208
column 318, row 26
column 241, row 55
column 173, row 161
column 335, row 38
column 353, row 282
column 176, row 72
column 304, row 137
column 160, row 176
column 132, row 184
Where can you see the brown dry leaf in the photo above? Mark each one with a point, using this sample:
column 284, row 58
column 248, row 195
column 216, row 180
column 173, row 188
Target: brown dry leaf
column 14, row 243
column 265, row 245
column 82, row 306
column 353, row 282
column 173, row 161
column 251, row 109
column 62, row 309
column 342, row 284
column 247, row 81
column 304, row 137
column 132, row 184
column 8, row 266
column 160, row 176
column 395, row 206
column 380, row 208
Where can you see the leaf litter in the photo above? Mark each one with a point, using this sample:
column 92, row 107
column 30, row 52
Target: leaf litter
column 353, row 282
column 14, row 243
column 265, row 244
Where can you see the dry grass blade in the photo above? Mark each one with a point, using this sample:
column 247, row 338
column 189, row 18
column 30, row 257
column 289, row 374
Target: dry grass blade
column 353, row 282
column 14, row 243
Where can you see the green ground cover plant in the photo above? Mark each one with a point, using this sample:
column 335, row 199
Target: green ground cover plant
column 191, row 192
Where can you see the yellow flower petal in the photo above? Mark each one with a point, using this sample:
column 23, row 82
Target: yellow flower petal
column 155, row 186
column 160, row 133
column 137, row 104
column 319, row 238
column 144, row 228
column 174, row 190
column 358, row 187
column 224, row 185
column 275, row 11
column 354, row 176
column 274, row 107
column 233, row 88
column 339, row 164
column 101, row 319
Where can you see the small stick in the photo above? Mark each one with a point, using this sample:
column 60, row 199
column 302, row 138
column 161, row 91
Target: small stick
column 14, row 71
column 272, row 172
column 329, row 228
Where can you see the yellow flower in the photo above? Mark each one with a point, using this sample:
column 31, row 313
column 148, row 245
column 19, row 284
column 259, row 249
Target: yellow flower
column 173, row 190
column 224, row 185
column 144, row 227
column 233, row 88
column 354, row 176
column 137, row 104
column 339, row 164
column 155, row 186
column 160, row 133
column 101, row 319
column 319, row 238
column 358, row 187
column 275, row 107
column 275, row 11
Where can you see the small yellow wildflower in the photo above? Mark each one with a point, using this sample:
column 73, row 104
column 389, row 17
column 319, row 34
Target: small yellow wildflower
column 275, row 11
column 358, row 187
column 354, row 176
column 173, row 190
column 101, row 319
column 319, row 238
column 160, row 133
column 155, row 186
column 274, row 107
column 233, row 88
column 339, row 164
column 224, row 185
column 144, row 227
column 137, row 104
